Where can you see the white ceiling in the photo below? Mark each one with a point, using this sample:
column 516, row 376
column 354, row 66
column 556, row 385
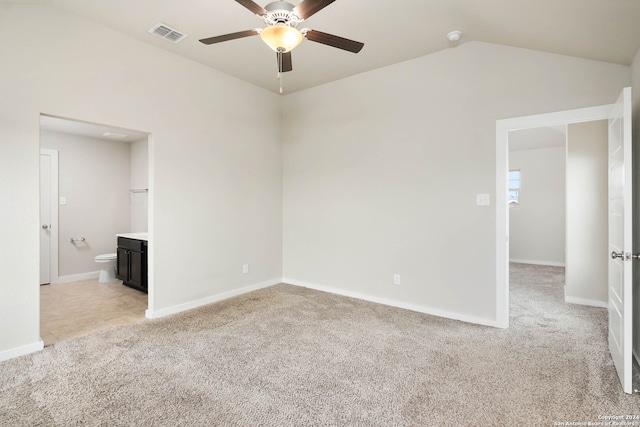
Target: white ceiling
column 393, row 31
column 92, row 130
column 537, row 138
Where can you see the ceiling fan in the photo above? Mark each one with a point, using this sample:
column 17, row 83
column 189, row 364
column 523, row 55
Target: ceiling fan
column 281, row 33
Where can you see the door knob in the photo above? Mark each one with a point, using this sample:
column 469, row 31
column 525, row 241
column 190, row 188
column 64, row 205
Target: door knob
column 45, row 226
column 615, row 255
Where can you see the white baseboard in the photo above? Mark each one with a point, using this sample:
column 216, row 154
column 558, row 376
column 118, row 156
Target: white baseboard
column 154, row 314
column 418, row 308
column 584, row 301
column 21, row 351
column 75, row 277
column 537, row 262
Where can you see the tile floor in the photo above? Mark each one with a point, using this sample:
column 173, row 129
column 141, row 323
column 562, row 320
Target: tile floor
column 71, row 310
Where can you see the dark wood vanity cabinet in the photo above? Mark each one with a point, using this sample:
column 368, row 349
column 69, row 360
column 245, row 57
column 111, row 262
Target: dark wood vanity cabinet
column 132, row 263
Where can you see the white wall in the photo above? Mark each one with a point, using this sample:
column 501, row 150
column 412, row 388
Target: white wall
column 215, row 158
column 93, row 176
column 537, row 225
column 381, row 171
column 139, row 181
column 586, row 274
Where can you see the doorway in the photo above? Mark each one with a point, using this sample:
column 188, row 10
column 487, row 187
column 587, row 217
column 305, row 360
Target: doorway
column 619, row 236
column 87, row 198
column 503, row 128
column 561, row 216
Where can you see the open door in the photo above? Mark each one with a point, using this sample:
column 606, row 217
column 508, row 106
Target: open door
column 48, row 216
column 45, row 219
column 620, row 239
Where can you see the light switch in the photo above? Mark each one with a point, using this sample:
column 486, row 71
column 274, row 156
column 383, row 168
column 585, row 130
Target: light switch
column 63, row 200
column 482, row 200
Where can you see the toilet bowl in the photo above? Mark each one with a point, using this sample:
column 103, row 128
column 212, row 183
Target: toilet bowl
column 107, row 264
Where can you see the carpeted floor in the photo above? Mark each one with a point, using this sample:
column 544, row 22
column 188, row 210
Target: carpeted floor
column 289, row 356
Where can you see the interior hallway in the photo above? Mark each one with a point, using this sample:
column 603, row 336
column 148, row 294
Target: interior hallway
column 75, row 309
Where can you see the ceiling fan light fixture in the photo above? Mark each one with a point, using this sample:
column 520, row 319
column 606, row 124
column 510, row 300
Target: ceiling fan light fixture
column 281, row 38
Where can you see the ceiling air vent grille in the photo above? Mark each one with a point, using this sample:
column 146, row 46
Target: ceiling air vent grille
column 167, row 33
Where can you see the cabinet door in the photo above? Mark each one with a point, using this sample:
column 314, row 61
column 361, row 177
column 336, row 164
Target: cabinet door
column 122, row 270
column 136, row 269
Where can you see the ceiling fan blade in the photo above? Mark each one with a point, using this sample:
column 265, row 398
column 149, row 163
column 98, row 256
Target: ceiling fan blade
column 309, row 7
column 232, row 36
column 253, row 7
column 335, row 41
column 284, row 61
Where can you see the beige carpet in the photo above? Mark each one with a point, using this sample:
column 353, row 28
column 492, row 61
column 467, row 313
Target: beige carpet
column 288, row 356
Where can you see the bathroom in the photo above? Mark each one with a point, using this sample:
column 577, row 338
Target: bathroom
column 94, row 185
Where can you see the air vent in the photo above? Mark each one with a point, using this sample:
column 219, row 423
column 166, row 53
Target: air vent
column 168, row 33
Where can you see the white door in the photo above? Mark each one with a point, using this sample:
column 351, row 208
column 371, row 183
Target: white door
column 620, row 240
column 45, row 219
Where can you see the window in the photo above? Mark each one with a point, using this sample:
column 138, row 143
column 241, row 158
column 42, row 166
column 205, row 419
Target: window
column 514, row 188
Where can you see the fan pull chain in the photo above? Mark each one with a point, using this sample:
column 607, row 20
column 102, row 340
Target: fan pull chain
column 280, row 68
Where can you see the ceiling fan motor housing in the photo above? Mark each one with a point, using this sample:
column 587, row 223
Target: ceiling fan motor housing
column 282, row 13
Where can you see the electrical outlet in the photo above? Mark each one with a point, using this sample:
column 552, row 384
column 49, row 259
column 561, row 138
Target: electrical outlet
column 396, row 279
column 245, row 269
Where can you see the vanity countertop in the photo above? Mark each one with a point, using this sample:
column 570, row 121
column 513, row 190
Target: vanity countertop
column 137, row 236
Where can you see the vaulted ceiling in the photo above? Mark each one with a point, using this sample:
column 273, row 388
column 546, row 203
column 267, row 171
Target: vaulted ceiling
column 393, row 31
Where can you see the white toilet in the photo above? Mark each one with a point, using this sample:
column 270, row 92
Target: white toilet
column 107, row 263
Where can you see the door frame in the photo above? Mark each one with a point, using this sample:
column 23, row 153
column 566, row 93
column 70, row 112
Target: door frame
column 53, row 200
column 503, row 127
